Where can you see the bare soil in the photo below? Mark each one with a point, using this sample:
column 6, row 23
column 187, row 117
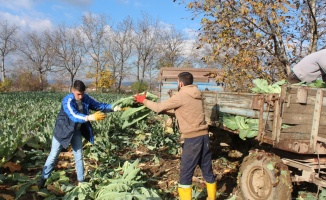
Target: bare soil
column 163, row 173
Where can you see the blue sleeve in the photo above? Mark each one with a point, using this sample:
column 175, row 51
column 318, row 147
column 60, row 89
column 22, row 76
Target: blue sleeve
column 98, row 106
column 71, row 111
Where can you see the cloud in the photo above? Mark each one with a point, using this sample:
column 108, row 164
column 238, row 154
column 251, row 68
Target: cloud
column 78, row 3
column 40, row 24
column 191, row 33
column 165, row 26
column 27, row 22
column 188, row 32
column 17, row 4
column 21, row 13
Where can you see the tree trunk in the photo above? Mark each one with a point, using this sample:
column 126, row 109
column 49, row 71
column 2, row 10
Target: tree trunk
column 138, row 69
column 143, row 69
column 150, row 78
column 119, row 85
column 114, row 72
column 120, row 78
column 71, row 82
column 3, row 75
column 313, row 26
column 97, row 75
column 40, row 78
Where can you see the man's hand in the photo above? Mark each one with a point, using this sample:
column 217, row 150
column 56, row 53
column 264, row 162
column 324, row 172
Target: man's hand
column 96, row 116
column 140, row 98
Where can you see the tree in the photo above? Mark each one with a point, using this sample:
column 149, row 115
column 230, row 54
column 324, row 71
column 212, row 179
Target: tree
column 313, row 13
column 121, row 49
column 255, row 39
column 69, row 50
column 313, row 27
column 38, row 53
column 96, row 30
column 105, row 80
column 7, row 43
column 171, row 47
column 139, row 86
column 145, row 42
column 24, row 78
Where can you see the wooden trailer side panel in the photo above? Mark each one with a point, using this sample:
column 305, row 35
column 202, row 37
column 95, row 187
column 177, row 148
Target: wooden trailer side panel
column 301, row 109
column 304, row 114
column 210, row 108
column 244, row 104
column 305, row 121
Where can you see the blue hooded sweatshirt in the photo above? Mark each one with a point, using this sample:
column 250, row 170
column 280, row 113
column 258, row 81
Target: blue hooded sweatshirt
column 69, row 117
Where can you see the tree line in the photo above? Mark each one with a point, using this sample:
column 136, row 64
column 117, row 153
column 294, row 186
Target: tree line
column 108, row 53
column 249, row 39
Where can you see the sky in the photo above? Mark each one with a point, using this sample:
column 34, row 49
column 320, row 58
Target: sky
column 46, row 14
column 39, row 15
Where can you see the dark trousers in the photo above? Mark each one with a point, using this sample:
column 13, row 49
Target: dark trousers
column 195, row 151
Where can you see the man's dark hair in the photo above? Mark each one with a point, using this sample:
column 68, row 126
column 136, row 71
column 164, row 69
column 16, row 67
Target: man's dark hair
column 186, row 78
column 79, row 86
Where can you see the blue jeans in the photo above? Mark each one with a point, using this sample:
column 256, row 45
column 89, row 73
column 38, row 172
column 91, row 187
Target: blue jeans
column 76, row 143
column 195, row 151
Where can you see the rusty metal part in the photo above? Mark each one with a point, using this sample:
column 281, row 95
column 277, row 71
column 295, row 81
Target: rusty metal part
column 300, row 146
column 270, row 100
column 257, row 102
column 308, row 172
column 313, row 161
column 260, row 104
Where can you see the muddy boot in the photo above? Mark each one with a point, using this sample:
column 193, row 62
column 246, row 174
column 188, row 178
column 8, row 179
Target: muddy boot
column 211, row 191
column 185, row 193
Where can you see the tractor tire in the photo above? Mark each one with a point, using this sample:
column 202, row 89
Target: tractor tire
column 263, row 176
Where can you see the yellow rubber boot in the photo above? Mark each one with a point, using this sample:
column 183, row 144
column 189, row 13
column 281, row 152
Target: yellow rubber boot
column 211, row 191
column 185, row 193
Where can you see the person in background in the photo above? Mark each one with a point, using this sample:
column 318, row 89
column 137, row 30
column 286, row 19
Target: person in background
column 189, row 112
column 73, row 123
column 310, row 68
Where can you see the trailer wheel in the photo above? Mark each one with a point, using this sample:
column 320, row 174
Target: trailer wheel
column 263, row 176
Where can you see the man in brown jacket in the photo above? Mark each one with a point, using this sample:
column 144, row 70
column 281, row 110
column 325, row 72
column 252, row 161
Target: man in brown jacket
column 189, row 111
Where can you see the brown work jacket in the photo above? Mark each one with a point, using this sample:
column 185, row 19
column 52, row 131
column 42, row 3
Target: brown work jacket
column 188, row 107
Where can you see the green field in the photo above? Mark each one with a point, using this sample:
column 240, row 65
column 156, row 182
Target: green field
column 138, row 162
column 27, row 121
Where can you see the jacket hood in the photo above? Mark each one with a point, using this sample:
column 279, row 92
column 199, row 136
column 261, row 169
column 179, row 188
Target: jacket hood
column 192, row 90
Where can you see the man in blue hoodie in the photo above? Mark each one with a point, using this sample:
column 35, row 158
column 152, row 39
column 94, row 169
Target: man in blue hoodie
column 73, row 123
